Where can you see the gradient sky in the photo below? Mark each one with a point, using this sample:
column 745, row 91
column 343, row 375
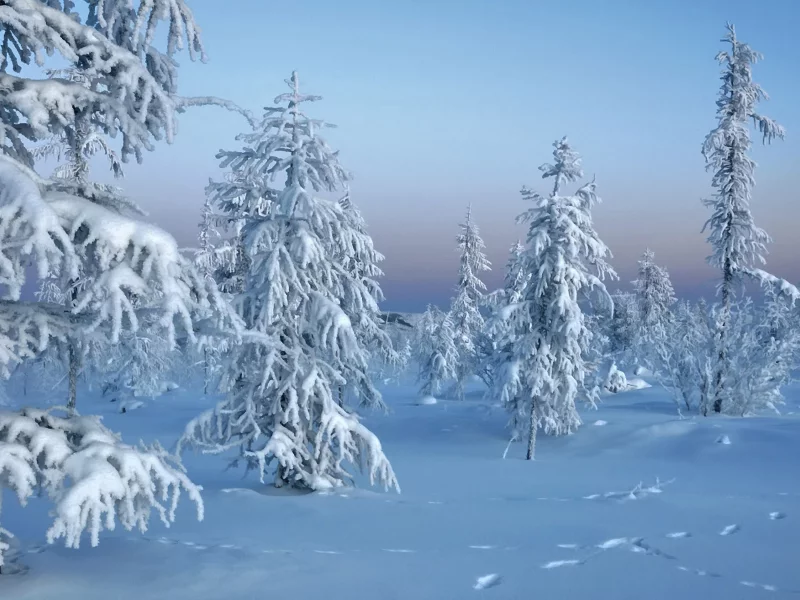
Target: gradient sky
column 445, row 103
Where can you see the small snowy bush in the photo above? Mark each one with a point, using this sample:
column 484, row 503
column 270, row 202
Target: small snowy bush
column 616, row 380
column 88, row 473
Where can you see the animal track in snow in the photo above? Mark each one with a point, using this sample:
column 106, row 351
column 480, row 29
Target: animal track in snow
column 776, row 516
column 616, row 543
column 764, row 586
column 699, row 572
column 730, row 529
column 555, row 564
column 637, row 493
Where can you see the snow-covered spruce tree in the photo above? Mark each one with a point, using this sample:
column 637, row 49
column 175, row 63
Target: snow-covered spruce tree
column 623, row 326
column 57, row 229
column 468, row 323
column 361, row 261
column 738, row 244
column 300, row 344
column 543, row 372
column 654, row 299
column 437, row 355
column 498, row 334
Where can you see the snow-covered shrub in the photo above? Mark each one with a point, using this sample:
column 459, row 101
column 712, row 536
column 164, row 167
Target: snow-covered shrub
column 764, row 356
column 92, row 478
column 616, row 380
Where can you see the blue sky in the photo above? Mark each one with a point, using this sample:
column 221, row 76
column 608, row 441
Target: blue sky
column 441, row 104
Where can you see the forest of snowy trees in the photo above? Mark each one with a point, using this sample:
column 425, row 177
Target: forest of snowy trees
column 277, row 310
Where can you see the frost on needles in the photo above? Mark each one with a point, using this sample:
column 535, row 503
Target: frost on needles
column 541, row 365
column 307, row 307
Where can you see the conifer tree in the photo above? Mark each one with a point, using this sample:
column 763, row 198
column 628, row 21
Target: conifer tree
column 654, row 300
column 301, row 342
column 465, row 314
column 738, row 244
column 436, row 351
column 541, row 375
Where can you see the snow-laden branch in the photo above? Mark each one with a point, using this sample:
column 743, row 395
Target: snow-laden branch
column 133, row 102
column 29, row 229
column 90, row 475
column 185, row 102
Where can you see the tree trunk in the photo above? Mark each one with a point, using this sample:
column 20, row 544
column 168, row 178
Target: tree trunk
column 74, row 366
column 280, row 477
column 722, row 335
column 72, row 397
column 206, row 371
column 532, row 434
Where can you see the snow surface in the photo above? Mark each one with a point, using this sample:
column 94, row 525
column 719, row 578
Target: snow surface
column 647, row 506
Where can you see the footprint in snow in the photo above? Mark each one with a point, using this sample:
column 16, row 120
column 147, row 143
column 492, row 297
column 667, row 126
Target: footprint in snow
column 487, row 581
column 679, row 534
column 616, row 543
column 555, row 564
column 764, row 586
column 775, row 516
column 699, row 572
column 730, row 530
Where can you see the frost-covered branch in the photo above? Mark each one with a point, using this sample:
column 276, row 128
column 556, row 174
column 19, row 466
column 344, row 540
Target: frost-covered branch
column 90, row 475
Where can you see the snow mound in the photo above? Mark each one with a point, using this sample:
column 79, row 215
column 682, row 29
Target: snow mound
column 130, row 405
column 600, row 423
column 427, row 401
column 487, row 581
column 724, row 440
column 637, row 384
